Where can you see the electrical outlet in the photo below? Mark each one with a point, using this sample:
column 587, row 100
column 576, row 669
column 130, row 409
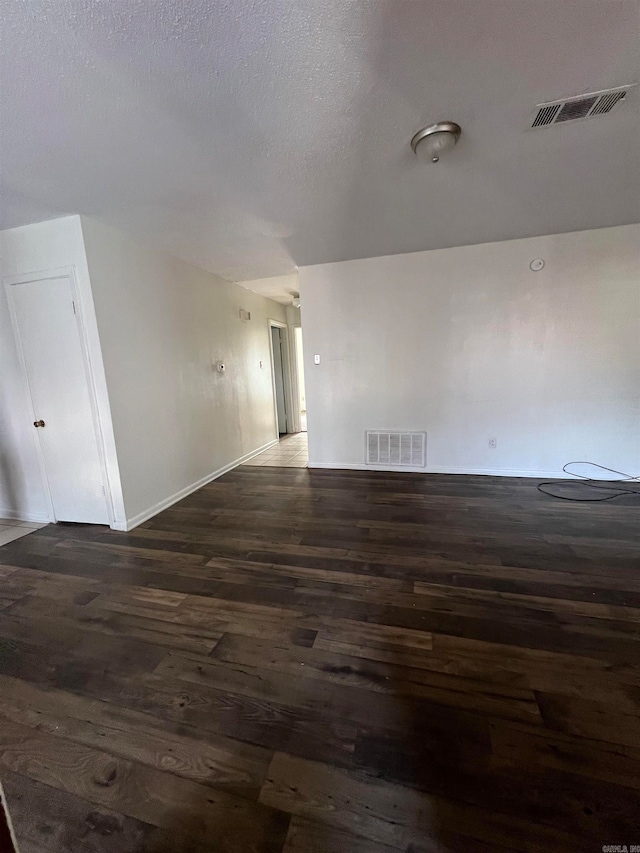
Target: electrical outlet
column 492, row 443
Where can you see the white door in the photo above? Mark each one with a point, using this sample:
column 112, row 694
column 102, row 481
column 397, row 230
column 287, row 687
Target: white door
column 278, row 378
column 49, row 338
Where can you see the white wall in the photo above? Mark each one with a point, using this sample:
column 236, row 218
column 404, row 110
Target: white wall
column 299, row 360
column 469, row 344
column 43, row 247
column 163, row 324
column 297, row 368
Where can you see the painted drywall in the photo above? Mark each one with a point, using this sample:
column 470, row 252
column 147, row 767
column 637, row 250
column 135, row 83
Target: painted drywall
column 163, row 325
column 469, row 344
column 299, row 360
column 44, row 247
column 294, row 320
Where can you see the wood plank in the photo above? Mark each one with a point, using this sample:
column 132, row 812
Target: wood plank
column 589, row 719
column 513, row 702
column 519, row 746
column 306, row 836
column 237, row 768
column 48, row 820
column 338, row 701
column 228, row 823
column 392, row 815
column 545, row 603
column 461, row 771
column 366, row 633
column 69, row 623
column 386, row 661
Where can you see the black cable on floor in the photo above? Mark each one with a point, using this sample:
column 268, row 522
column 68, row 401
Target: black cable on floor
column 589, row 483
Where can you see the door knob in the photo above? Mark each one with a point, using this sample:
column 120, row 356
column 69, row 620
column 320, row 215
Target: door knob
column 38, row 423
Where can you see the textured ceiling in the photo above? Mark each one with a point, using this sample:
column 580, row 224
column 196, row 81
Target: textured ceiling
column 251, row 136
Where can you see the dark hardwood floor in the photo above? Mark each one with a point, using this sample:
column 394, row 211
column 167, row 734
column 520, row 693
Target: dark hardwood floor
column 327, row 662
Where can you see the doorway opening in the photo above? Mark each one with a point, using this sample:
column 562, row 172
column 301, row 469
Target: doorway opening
column 279, row 365
column 288, row 392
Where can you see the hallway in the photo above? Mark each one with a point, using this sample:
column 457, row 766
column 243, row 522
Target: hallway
column 291, row 452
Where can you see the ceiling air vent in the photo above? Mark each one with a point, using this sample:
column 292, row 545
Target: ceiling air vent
column 607, row 102
column 396, row 448
column 574, row 109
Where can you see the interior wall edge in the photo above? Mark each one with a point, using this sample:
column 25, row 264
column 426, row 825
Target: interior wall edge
column 146, row 514
column 164, row 326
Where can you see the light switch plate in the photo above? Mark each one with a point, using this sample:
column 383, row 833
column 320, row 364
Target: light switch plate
column 316, row 359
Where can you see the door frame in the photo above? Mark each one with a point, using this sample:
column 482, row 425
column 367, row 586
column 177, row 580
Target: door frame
column 286, row 375
column 41, row 276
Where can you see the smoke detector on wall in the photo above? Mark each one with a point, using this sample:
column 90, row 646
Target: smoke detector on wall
column 578, row 107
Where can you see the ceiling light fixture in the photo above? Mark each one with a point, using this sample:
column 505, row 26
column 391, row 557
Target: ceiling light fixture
column 430, row 143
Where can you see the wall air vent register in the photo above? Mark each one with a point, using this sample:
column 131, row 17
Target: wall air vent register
column 405, row 449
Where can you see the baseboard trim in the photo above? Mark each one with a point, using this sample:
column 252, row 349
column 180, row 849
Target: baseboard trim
column 483, row 472
column 146, row 514
column 24, row 516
